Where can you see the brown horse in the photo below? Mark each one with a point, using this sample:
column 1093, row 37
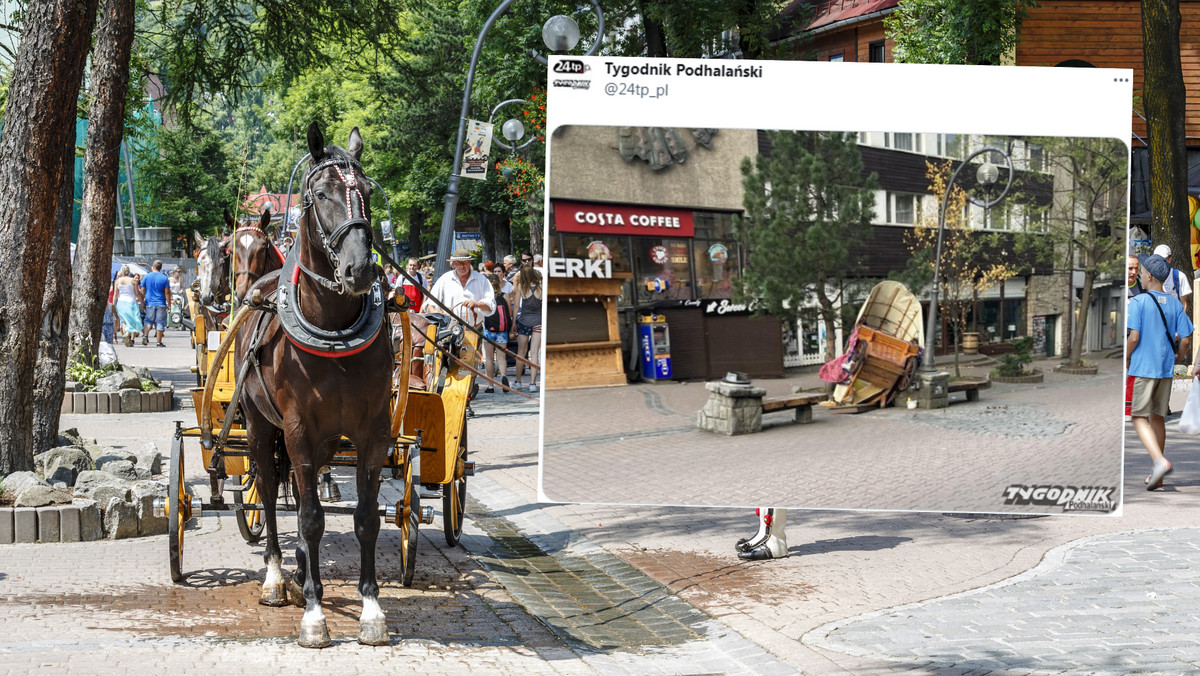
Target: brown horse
column 319, row 377
column 254, row 253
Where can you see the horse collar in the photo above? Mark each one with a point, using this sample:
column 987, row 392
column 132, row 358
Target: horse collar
column 315, row 340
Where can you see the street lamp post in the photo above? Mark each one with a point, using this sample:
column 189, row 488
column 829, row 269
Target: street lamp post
column 987, row 175
column 560, row 33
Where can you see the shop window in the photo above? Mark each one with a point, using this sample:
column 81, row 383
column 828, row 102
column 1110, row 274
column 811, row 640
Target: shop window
column 596, row 247
column 662, row 269
column 717, row 267
column 713, row 225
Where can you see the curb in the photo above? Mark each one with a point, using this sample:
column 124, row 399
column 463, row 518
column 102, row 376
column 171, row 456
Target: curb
column 110, row 402
column 55, row 523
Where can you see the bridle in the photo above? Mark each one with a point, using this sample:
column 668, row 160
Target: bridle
column 355, row 216
column 267, row 245
column 217, row 262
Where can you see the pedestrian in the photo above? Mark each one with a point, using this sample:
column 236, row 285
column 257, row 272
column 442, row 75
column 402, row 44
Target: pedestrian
column 1177, row 282
column 1133, row 286
column 527, row 290
column 391, row 275
column 157, row 290
column 463, row 290
column 496, row 327
column 125, row 291
column 1159, row 334
column 414, row 292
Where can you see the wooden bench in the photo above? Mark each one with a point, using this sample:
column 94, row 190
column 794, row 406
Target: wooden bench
column 971, row 387
column 801, row 403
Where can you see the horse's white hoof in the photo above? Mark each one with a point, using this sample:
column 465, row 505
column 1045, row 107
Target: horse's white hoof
column 374, row 632
column 314, row 635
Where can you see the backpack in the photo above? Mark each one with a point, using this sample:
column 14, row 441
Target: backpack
column 497, row 322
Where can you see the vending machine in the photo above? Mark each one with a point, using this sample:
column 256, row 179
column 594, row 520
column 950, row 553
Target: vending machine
column 655, row 343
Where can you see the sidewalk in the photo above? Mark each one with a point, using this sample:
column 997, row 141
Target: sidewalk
column 581, row 588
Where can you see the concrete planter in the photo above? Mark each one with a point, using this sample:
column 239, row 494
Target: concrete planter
column 1036, row 377
column 110, row 402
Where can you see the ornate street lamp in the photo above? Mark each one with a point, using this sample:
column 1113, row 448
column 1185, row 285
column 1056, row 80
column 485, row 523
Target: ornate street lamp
column 987, row 175
column 559, row 33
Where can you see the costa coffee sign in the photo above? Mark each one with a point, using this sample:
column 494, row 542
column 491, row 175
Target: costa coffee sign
column 612, row 219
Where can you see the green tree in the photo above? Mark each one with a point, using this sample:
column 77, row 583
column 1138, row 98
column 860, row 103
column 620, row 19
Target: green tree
column 806, row 203
column 1087, row 220
column 189, row 182
column 977, row 32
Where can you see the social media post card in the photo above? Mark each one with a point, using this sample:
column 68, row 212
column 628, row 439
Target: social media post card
column 835, row 285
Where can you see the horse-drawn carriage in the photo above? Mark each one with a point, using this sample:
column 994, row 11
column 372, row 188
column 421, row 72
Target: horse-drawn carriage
column 286, row 391
column 883, row 352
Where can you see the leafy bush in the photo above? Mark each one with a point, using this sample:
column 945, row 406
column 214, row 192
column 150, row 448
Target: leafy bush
column 1012, row 364
column 87, row 374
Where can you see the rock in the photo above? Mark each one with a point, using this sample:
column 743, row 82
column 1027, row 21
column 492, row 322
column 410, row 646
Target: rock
column 118, row 381
column 120, row 520
column 71, row 436
column 103, row 456
column 144, row 493
column 41, row 496
column 90, row 527
column 90, row 481
column 63, row 463
column 61, row 485
column 140, row 372
column 149, row 458
column 131, row 400
column 123, row 469
column 71, row 386
column 17, row 482
column 103, row 494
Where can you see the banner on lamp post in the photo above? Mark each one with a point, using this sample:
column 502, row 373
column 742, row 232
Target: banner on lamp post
column 478, row 147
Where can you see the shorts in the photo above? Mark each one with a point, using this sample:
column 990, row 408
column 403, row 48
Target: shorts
column 1151, row 396
column 500, row 337
column 523, row 330
column 156, row 317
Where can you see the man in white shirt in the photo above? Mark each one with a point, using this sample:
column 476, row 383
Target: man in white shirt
column 1176, row 282
column 463, row 290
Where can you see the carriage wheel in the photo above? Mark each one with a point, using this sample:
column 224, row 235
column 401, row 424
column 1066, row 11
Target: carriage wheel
column 409, row 519
column 249, row 521
column 177, row 511
column 454, row 496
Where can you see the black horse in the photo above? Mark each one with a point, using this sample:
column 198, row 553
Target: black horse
column 323, row 371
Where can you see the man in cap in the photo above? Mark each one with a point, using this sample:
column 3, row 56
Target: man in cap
column 464, row 290
column 1159, row 332
column 1177, row 282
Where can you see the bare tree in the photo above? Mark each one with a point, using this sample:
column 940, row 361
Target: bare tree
column 1165, row 99
column 39, row 121
column 106, row 115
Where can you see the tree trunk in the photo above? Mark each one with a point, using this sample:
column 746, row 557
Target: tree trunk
column 656, row 37
column 487, row 235
column 415, row 218
column 53, row 338
column 38, row 125
column 537, row 221
column 1165, row 100
column 1076, row 356
column 106, row 116
column 503, row 240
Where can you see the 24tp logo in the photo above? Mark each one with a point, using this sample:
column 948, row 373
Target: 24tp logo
column 571, row 66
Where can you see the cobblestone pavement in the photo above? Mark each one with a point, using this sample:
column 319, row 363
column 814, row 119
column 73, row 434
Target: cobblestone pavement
column 610, row 588
column 1064, row 432
column 518, row 597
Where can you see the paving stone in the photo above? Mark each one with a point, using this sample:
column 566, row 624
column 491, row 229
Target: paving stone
column 48, row 525
column 25, row 524
column 6, row 526
column 69, row 523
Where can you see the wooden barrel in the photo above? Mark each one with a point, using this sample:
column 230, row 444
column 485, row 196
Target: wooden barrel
column 970, row 343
